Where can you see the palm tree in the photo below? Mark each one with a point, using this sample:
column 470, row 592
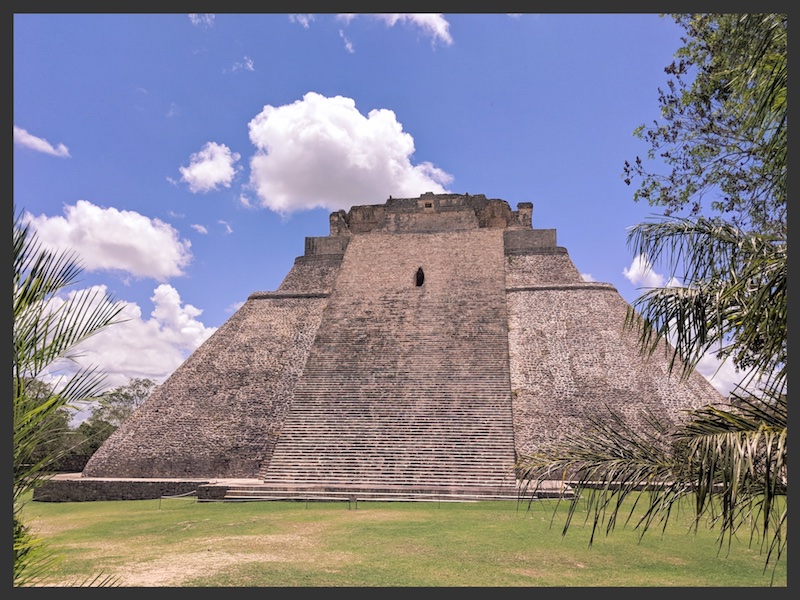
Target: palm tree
column 47, row 329
column 731, row 459
column 735, row 305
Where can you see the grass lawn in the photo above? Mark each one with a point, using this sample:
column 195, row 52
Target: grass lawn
column 183, row 543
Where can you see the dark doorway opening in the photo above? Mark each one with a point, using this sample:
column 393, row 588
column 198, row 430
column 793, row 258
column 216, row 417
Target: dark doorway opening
column 419, row 278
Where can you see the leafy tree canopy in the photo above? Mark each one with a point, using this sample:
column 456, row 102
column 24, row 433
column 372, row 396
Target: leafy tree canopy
column 118, row 404
column 723, row 138
column 114, row 408
column 724, row 121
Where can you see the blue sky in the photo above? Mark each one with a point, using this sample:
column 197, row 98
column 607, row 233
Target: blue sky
column 185, row 157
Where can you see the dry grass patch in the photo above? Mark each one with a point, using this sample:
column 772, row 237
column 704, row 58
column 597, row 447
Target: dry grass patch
column 188, row 544
column 134, row 565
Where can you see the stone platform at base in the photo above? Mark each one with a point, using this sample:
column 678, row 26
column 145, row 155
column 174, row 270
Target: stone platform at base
column 73, row 487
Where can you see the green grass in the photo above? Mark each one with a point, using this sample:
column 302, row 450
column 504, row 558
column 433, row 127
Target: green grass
column 179, row 542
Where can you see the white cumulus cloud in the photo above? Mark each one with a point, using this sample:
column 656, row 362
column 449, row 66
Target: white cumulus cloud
column 641, row 273
column 432, row 24
column 177, row 323
column 199, row 228
column 135, row 347
column 204, row 20
column 322, row 152
column 23, row 138
column 212, row 166
column 108, row 239
column 303, row 19
column 721, row 374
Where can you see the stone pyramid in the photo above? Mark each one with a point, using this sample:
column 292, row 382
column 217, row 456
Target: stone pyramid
column 426, row 343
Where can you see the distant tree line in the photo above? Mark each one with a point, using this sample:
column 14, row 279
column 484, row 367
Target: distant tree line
column 74, row 446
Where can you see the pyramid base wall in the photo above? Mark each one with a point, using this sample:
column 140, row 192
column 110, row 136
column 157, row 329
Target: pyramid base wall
column 74, row 488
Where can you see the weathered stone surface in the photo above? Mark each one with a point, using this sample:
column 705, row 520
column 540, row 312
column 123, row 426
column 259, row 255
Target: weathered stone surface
column 91, row 490
column 220, row 412
column 571, row 358
column 406, row 382
column 357, row 372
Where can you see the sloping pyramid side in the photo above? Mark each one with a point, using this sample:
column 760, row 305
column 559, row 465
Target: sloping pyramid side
column 571, row 358
column 219, row 413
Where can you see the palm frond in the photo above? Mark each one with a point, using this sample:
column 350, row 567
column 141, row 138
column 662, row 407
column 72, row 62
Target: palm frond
column 607, row 463
column 730, row 459
column 46, row 329
column 32, row 559
column 734, row 303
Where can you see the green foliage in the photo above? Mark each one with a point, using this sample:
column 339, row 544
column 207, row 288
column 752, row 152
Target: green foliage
column 93, row 432
column 112, row 409
column 723, row 132
column 32, row 559
column 731, row 460
column 737, row 457
column 735, row 302
column 725, row 135
column 47, row 329
column 54, row 427
column 184, row 543
column 118, row 404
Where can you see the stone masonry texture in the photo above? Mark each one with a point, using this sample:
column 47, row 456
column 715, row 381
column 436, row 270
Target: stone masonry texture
column 353, row 374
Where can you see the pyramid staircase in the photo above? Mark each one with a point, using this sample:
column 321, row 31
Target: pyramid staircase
column 405, row 395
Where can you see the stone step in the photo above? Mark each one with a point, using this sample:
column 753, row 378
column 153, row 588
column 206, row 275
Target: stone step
column 378, row 492
column 409, row 392
column 365, row 454
column 418, row 433
column 366, row 470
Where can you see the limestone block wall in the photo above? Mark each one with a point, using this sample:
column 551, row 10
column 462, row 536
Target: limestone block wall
column 351, row 370
column 312, row 274
column 325, row 246
column 432, row 212
column 219, row 413
column 524, row 240
column 429, row 221
column 88, row 490
column 570, row 358
column 405, row 382
column 540, row 269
